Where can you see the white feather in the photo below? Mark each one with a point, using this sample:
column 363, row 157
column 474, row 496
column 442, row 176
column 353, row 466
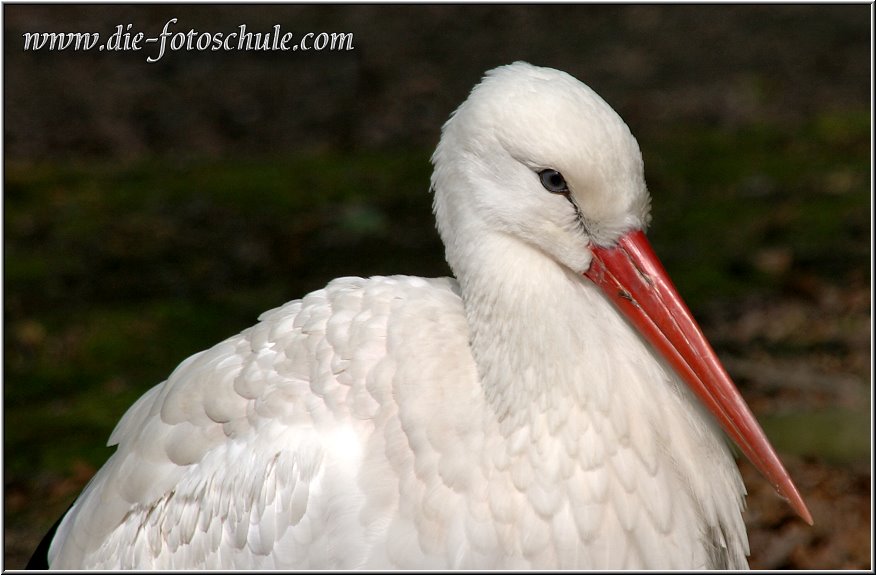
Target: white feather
column 511, row 420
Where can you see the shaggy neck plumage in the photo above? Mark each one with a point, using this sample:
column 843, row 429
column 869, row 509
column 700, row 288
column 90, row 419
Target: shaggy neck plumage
column 532, row 330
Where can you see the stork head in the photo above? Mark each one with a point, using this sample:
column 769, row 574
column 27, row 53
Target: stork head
column 535, row 155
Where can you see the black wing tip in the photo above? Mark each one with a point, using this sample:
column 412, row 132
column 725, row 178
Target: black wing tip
column 39, row 561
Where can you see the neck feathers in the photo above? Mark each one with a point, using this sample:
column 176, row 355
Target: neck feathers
column 538, row 331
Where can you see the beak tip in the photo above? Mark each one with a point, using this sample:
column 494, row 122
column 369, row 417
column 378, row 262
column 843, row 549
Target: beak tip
column 800, row 507
column 788, row 491
column 808, row 519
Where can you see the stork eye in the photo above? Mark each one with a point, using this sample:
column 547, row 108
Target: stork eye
column 553, row 181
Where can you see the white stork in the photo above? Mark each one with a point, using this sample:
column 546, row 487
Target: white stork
column 548, row 408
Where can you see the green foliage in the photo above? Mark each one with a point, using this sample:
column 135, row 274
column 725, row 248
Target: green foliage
column 116, row 273
column 837, row 435
column 723, row 197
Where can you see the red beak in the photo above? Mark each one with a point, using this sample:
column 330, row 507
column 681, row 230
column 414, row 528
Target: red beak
column 633, row 278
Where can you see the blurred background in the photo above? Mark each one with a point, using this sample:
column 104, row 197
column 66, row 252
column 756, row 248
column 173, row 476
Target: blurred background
column 151, row 210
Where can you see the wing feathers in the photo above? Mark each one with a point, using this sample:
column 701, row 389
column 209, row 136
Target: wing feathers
column 332, row 434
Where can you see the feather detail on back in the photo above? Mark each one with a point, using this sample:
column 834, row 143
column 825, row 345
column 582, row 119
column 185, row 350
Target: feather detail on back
column 327, row 436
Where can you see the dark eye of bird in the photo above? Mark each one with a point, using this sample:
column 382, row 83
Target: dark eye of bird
column 553, row 181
